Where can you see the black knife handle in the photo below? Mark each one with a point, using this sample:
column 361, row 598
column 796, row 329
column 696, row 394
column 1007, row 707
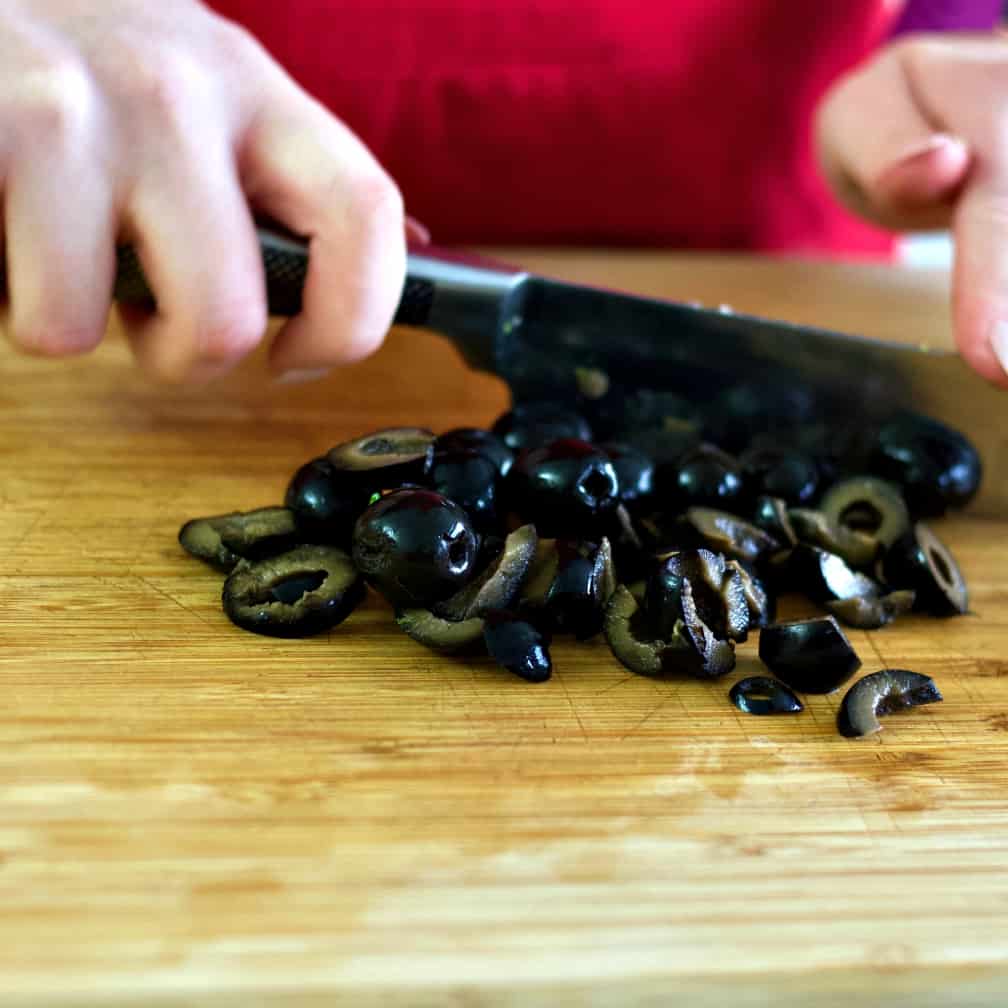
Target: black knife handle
column 285, row 260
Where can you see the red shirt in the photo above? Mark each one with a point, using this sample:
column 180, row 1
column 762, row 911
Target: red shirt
column 682, row 124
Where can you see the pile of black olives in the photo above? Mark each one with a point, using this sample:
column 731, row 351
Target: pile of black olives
column 655, row 535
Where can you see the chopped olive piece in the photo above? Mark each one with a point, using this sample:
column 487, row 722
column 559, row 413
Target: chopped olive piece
column 630, row 557
column 385, row 459
column 542, row 572
column 818, row 529
column 715, row 656
column 781, row 472
column 867, row 504
column 728, row 534
column 517, row 646
column 415, row 547
column 921, row 563
column 707, row 477
column 772, row 517
column 759, row 601
column 881, row 693
column 823, row 576
column 469, row 479
column 302, row 592
column 811, row 656
column 635, row 471
column 576, row 600
column 689, row 651
column 936, row 466
column 466, row 439
column 872, row 613
column 499, row 582
column 446, row 636
column 201, row 538
column 763, row 695
column 531, row 425
column 564, row 487
column 325, row 503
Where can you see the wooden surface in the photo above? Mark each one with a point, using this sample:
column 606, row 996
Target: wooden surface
column 191, row 815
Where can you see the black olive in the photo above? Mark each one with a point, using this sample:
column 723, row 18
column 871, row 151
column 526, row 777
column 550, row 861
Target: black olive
column 787, row 474
column 415, row 547
column 623, row 411
column 385, row 459
column 867, row 504
column 665, row 446
column 630, row 557
column 811, row 656
column 771, row 515
column 470, row 480
column 760, row 602
column 707, row 477
column 324, row 503
column 823, row 576
column 691, row 649
column 466, row 439
column 763, row 695
column 874, row 612
column 760, row 405
column 222, row 540
column 921, row 563
column 726, row 533
column 936, row 466
column 564, row 488
column 531, row 425
column 635, row 472
column 581, row 589
column 497, row 585
column 517, row 646
column 200, row 537
column 305, row 591
column 880, row 693
column 858, row 549
column 446, row 636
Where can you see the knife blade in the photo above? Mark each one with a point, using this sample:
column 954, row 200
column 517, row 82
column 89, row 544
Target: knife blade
column 537, row 334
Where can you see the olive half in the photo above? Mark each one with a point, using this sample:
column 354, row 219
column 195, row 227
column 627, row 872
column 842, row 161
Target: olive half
column 923, row 564
column 811, row 656
column 874, row 612
column 764, row 695
column 385, row 459
column 305, row 591
column 867, row 504
column 880, row 693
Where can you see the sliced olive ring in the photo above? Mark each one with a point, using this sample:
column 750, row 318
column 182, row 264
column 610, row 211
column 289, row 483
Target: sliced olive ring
column 811, row 656
column 517, row 646
column 305, row 591
column 868, row 504
column 498, row 584
column 858, row 549
column 881, row 693
column 921, row 562
column 201, row 538
column 872, row 613
column 385, row 459
column 722, row 532
column 446, row 636
column 764, row 695
column 634, row 646
column 222, row 540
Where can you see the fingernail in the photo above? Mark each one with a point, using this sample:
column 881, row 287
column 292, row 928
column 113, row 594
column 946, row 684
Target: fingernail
column 301, row 377
column 925, row 148
column 416, row 232
column 999, row 344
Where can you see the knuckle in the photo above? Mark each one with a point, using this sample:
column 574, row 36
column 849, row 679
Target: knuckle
column 53, row 98
column 375, row 202
column 231, row 333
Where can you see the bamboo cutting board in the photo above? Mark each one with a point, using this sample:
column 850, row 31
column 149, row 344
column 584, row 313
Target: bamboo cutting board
column 191, row 815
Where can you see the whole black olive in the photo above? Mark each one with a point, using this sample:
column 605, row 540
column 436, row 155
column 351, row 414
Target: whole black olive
column 665, row 446
column 563, row 488
column 635, row 472
column 707, row 477
column 325, row 504
column 923, row 564
column 468, row 479
column 811, row 656
column 881, row 693
column 517, row 646
column 466, row 439
column 777, row 472
column 415, row 547
column 533, row 424
column 304, row 591
column 936, row 466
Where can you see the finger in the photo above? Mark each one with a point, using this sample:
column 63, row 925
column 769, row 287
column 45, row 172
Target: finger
column 417, row 233
column 196, row 241
column 885, row 157
column 59, row 228
column 308, row 171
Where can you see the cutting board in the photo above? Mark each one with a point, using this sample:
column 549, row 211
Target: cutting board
column 192, row 815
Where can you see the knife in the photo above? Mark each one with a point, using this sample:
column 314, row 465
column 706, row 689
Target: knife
column 538, row 334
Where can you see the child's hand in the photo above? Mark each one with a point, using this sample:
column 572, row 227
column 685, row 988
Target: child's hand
column 918, row 138
column 159, row 123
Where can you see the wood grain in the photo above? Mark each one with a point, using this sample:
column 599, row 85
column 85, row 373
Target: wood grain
column 191, row 815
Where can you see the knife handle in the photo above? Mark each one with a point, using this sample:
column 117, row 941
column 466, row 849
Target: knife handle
column 285, row 260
